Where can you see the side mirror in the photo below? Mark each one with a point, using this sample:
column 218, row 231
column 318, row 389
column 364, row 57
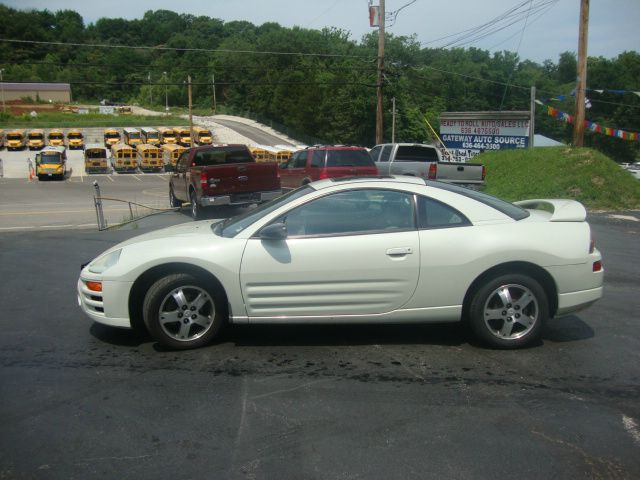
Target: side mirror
column 275, row 231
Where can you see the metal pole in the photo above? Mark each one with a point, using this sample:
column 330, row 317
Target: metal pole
column 97, row 199
column 4, row 108
column 393, row 123
column 190, row 113
column 532, row 117
column 581, row 84
column 213, row 84
column 150, row 91
column 379, row 126
column 166, row 94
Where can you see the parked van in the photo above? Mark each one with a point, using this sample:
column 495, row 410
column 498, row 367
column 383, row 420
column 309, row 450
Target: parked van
column 150, row 136
column 75, row 139
column 16, row 139
column 51, row 162
column 131, row 136
column 95, row 158
column 167, row 135
column 183, row 136
column 202, row 136
column 35, row 139
column 55, row 138
column 123, row 158
column 171, row 153
column 150, row 158
column 111, row 137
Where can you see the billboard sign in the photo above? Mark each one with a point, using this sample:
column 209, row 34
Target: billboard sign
column 466, row 134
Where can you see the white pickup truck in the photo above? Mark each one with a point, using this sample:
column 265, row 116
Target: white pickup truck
column 420, row 160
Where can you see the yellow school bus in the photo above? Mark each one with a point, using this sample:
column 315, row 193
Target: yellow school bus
column 150, row 136
column 16, row 139
column 183, row 136
column 283, row 156
column 123, row 158
column 171, row 153
column 131, row 136
column 75, row 139
column 167, row 135
column 55, row 138
column 51, row 162
column 150, row 158
column 111, row 137
column 35, row 139
column 202, row 136
column 262, row 155
column 95, row 158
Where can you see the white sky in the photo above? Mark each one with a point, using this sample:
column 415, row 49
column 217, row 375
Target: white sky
column 613, row 26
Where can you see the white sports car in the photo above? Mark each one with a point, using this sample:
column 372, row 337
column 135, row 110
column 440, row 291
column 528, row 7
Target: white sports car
column 369, row 249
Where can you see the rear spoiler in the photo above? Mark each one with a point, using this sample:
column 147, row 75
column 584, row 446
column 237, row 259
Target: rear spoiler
column 561, row 210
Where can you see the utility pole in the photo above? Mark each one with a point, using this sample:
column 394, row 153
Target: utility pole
column 190, row 113
column 150, row 90
column 532, row 114
column 4, row 108
column 379, row 126
column 393, row 122
column 213, row 85
column 166, row 94
column 581, row 84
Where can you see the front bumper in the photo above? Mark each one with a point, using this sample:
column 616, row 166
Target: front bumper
column 108, row 307
column 239, row 198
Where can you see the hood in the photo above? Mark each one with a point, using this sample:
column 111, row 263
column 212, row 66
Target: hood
column 182, row 230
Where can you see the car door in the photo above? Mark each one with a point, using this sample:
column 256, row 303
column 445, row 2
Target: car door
column 347, row 254
column 291, row 176
column 179, row 178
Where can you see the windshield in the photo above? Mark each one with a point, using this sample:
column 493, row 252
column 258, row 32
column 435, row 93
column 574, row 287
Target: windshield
column 134, row 135
column 14, row 136
column 74, row 136
column 35, row 136
column 152, row 136
column 49, row 158
column 95, row 153
column 220, row 155
column 416, row 153
column 111, row 135
column 56, row 136
column 232, row 226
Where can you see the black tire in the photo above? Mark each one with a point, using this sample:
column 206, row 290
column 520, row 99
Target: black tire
column 508, row 311
column 175, row 203
column 166, row 303
column 195, row 208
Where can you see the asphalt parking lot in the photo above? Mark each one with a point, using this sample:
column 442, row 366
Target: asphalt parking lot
column 80, row 400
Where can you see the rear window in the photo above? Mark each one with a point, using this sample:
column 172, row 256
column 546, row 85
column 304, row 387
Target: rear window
column 221, row 155
column 416, row 153
column 507, row 208
column 349, row 158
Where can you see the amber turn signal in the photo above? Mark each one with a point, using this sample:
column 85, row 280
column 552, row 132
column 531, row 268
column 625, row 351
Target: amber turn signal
column 94, row 286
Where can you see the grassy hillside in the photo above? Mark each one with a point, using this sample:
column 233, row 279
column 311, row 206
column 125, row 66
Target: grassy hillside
column 67, row 120
column 561, row 172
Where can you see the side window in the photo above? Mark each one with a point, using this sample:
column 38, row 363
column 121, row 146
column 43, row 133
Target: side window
column 375, row 151
column 296, row 159
column 355, row 212
column 385, row 153
column 435, row 214
column 182, row 162
column 318, row 159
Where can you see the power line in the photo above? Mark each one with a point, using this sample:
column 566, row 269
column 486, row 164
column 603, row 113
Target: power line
column 176, row 49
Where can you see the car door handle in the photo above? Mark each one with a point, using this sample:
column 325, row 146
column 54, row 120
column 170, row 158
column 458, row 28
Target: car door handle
column 399, row 251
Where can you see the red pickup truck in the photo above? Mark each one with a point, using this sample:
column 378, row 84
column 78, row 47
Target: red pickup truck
column 220, row 174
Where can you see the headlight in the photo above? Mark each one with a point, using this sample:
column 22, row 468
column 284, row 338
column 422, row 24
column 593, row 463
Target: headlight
column 100, row 264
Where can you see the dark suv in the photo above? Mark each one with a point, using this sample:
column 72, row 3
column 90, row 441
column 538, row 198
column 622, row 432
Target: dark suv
column 326, row 161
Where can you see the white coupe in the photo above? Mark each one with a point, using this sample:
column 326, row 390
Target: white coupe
column 369, row 249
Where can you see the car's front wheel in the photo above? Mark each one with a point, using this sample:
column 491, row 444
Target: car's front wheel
column 175, row 203
column 195, row 208
column 181, row 311
column 508, row 311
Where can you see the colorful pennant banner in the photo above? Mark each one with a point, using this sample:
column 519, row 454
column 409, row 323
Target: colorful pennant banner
column 593, row 126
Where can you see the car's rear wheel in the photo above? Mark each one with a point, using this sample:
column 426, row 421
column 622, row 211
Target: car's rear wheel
column 508, row 311
column 181, row 311
column 195, row 208
column 175, row 203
